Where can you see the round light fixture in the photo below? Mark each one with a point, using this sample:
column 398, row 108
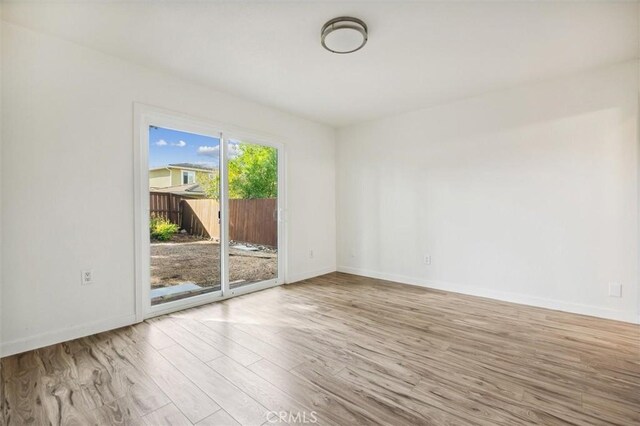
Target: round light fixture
column 344, row 35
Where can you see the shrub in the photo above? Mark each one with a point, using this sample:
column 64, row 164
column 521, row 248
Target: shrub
column 162, row 229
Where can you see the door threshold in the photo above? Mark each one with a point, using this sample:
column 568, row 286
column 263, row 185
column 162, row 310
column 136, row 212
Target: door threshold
column 217, row 296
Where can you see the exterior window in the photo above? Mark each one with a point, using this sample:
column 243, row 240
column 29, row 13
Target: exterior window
column 188, row 176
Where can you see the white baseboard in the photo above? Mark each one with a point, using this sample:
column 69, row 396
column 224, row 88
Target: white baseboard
column 58, row 336
column 306, row 275
column 45, row 339
column 522, row 299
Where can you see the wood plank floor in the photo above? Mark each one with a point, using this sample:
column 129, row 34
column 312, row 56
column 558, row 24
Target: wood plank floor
column 338, row 350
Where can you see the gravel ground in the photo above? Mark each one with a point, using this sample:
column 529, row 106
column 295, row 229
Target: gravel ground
column 186, row 258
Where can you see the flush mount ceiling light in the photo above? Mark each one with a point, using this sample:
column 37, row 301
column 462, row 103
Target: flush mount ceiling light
column 344, row 35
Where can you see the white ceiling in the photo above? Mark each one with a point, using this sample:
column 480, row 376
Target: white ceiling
column 418, row 55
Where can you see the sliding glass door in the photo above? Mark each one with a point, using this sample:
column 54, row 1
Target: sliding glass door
column 252, row 171
column 184, row 208
column 210, row 206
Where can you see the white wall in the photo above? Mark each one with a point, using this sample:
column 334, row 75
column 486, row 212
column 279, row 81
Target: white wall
column 528, row 195
column 67, row 191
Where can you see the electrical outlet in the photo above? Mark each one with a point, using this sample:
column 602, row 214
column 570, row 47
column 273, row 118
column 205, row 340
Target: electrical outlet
column 615, row 289
column 87, row 277
column 427, row 259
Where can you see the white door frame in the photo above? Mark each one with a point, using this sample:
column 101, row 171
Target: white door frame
column 144, row 116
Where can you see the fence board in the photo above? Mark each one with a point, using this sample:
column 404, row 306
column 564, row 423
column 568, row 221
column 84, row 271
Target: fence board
column 254, row 221
column 162, row 204
column 200, row 217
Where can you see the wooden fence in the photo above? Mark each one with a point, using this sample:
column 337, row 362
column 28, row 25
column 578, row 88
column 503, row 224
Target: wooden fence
column 250, row 221
column 163, row 204
column 254, row 221
column 200, row 217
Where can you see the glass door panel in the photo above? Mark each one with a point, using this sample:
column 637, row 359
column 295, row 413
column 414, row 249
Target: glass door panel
column 184, row 214
column 252, row 172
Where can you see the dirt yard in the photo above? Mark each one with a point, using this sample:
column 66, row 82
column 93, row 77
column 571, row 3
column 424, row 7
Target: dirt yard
column 189, row 259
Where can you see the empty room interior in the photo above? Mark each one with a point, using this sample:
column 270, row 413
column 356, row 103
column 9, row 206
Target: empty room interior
column 319, row 212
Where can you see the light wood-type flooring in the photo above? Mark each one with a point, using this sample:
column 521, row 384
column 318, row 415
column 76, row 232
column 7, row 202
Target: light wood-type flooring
column 337, row 350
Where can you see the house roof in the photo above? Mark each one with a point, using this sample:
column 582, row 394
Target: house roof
column 191, row 166
column 193, row 189
column 186, row 166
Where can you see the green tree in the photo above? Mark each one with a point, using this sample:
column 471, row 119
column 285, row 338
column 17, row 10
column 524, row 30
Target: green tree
column 253, row 173
column 210, row 183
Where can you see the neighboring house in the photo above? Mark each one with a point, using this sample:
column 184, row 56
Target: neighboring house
column 176, row 175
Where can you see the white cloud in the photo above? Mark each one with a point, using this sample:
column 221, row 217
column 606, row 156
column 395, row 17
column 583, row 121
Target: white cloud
column 213, row 151
column 180, row 144
column 210, row 151
column 161, row 142
column 234, row 150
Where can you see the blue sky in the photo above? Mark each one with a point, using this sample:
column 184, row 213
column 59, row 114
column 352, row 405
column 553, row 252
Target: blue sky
column 171, row 146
